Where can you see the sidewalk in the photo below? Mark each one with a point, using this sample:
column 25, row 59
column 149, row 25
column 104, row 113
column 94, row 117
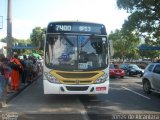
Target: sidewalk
column 10, row 96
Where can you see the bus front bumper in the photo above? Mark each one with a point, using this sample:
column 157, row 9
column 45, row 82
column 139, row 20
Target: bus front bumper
column 51, row 88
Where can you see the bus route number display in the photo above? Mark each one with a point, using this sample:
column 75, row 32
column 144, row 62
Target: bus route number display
column 73, row 28
column 63, row 28
column 85, row 28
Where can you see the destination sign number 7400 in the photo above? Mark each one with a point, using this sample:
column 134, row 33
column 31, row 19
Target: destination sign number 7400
column 69, row 28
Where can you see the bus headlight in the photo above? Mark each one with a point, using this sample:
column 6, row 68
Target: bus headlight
column 102, row 79
column 51, row 78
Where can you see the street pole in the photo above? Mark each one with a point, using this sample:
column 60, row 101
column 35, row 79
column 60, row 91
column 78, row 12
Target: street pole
column 1, row 22
column 9, row 29
column 9, row 45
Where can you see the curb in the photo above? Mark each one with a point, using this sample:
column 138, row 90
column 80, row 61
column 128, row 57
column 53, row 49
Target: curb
column 9, row 98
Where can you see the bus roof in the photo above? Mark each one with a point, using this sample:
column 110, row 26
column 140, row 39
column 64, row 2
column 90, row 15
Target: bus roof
column 76, row 27
column 73, row 21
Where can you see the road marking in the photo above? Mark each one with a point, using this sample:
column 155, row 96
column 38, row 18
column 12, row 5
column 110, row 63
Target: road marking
column 116, row 83
column 83, row 112
column 84, row 115
column 136, row 93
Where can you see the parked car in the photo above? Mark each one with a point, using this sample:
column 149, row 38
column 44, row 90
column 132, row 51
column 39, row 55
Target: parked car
column 133, row 69
column 124, row 66
column 115, row 71
column 151, row 78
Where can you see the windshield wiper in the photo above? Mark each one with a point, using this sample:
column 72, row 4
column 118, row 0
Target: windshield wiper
column 68, row 41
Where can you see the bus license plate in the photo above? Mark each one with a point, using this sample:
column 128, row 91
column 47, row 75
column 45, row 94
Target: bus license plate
column 100, row 88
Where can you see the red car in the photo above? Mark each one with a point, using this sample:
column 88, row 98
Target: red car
column 115, row 71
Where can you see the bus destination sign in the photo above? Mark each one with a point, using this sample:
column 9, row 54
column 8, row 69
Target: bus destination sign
column 76, row 28
column 69, row 28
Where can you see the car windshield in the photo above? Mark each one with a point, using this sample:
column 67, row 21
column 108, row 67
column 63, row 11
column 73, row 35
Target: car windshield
column 123, row 66
column 134, row 66
column 73, row 52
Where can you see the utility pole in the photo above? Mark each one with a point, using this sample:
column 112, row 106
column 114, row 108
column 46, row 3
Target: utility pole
column 9, row 29
column 1, row 22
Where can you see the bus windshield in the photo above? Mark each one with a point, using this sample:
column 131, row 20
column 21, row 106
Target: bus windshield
column 76, row 52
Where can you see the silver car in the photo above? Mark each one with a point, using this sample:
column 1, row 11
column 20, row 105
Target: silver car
column 151, row 78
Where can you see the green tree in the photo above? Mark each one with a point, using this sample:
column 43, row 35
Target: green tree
column 124, row 45
column 21, row 41
column 144, row 18
column 17, row 41
column 4, row 40
column 152, row 54
column 36, row 35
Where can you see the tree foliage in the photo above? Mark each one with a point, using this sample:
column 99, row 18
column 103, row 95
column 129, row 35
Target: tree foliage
column 17, row 41
column 149, row 54
column 4, row 40
column 125, row 45
column 21, row 41
column 36, row 35
column 144, row 18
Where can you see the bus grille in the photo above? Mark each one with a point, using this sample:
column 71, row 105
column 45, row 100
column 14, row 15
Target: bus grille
column 84, row 88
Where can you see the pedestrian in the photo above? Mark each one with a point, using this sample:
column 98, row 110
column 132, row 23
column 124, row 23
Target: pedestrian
column 29, row 67
column 15, row 74
column 24, row 73
column 40, row 64
column 7, row 75
column 2, row 79
column 35, row 66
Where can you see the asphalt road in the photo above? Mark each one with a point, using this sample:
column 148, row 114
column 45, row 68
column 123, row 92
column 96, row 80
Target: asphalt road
column 125, row 97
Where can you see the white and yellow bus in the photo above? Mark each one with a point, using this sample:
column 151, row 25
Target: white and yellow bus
column 76, row 58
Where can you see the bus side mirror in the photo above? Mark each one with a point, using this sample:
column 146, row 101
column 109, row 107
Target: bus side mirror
column 41, row 44
column 111, row 51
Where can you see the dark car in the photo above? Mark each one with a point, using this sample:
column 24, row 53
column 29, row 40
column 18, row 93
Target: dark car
column 133, row 69
column 124, row 66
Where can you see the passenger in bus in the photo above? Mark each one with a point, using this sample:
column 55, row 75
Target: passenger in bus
column 99, row 48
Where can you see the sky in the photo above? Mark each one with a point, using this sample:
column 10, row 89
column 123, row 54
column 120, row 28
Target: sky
column 28, row 14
